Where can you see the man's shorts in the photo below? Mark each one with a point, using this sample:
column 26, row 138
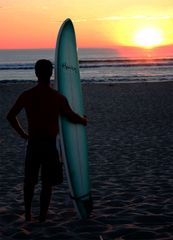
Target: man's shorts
column 42, row 156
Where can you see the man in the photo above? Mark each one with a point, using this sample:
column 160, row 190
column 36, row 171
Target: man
column 43, row 106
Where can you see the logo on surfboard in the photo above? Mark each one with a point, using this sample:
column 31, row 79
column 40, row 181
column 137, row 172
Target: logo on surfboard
column 69, row 67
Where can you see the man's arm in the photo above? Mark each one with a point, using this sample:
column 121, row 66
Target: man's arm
column 12, row 117
column 71, row 115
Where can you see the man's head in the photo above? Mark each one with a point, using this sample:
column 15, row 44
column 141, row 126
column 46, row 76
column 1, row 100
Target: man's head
column 43, row 70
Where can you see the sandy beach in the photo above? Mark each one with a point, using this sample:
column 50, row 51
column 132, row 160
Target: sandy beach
column 130, row 138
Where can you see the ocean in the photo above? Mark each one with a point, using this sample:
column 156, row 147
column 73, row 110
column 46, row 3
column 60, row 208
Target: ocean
column 96, row 66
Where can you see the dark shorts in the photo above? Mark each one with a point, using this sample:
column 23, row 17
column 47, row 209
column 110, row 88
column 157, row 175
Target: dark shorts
column 42, row 156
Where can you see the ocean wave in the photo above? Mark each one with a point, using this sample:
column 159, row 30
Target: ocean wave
column 106, row 79
column 110, row 63
column 13, row 66
column 127, row 60
column 126, row 63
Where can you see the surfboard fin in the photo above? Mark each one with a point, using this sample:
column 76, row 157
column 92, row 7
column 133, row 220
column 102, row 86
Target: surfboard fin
column 86, row 201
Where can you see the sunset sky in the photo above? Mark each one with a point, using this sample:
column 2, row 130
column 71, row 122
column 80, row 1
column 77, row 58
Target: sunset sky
column 98, row 23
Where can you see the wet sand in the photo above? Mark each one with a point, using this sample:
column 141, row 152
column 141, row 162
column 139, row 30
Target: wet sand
column 130, row 137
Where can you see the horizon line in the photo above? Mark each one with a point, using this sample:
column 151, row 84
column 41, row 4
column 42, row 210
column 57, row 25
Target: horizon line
column 108, row 47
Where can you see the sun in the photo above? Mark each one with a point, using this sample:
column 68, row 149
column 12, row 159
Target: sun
column 148, row 37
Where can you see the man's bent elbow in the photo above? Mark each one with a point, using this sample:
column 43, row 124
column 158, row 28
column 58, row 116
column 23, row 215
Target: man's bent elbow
column 10, row 117
column 84, row 121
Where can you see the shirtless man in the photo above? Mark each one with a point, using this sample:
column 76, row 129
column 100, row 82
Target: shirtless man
column 43, row 106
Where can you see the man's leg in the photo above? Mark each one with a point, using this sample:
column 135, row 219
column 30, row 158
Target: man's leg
column 45, row 198
column 49, row 174
column 32, row 165
column 28, row 195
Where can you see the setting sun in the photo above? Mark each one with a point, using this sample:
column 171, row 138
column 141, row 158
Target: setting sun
column 148, row 37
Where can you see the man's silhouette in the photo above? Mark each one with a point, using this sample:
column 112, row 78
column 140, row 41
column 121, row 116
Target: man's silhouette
column 43, row 106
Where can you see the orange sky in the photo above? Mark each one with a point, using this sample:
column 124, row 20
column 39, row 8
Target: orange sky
column 103, row 23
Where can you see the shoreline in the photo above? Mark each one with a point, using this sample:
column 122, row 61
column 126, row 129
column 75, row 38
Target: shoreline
column 130, row 141
column 83, row 82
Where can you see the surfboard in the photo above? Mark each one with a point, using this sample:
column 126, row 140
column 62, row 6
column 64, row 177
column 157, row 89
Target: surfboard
column 73, row 136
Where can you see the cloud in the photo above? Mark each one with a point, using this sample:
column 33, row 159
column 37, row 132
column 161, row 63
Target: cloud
column 80, row 20
column 118, row 18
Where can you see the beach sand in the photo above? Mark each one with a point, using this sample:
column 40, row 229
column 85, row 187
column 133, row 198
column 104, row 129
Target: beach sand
column 130, row 136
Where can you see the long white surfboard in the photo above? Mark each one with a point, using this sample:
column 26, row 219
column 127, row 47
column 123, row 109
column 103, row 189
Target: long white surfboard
column 73, row 136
